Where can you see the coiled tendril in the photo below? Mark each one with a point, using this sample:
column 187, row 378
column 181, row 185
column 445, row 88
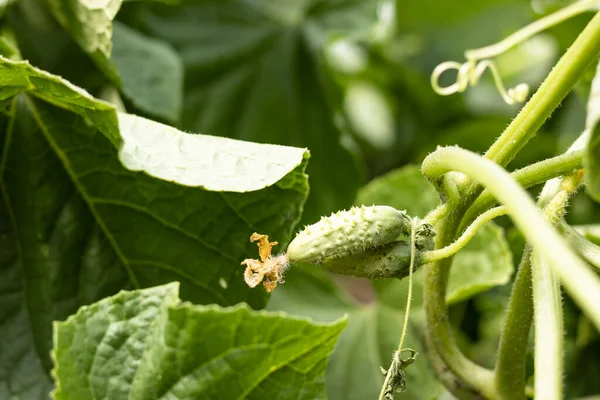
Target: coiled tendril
column 469, row 73
column 478, row 60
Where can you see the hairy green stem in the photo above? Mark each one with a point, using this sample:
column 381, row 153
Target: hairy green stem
column 457, row 387
column 548, row 357
column 434, row 255
column 510, row 365
column 556, row 86
column 386, row 381
column 461, row 375
column 529, row 176
column 435, row 215
column 582, row 284
column 512, row 349
column 443, row 350
column 588, row 250
column 512, row 355
column 411, row 267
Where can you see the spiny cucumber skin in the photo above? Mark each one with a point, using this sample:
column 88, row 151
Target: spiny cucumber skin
column 347, row 233
column 391, row 260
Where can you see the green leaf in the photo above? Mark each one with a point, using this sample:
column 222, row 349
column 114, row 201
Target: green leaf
column 148, row 71
column 151, row 72
column 126, row 347
column 157, row 149
column 485, row 262
column 214, row 163
column 403, row 188
column 365, row 345
column 22, row 375
column 89, row 23
column 253, row 72
column 86, row 226
column 159, row 231
column 591, row 160
column 97, row 351
column 20, row 76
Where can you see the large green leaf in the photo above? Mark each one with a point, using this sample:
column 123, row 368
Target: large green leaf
column 148, row 71
column 485, row 262
column 253, row 73
column 22, row 375
column 210, row 162
column 591, row 160
column 86, row 226
column 20, row 76
column 90, row 23
column 151, row 72
column 157, row 231
column 193, row 160
column 365, row 345
column 144, row 345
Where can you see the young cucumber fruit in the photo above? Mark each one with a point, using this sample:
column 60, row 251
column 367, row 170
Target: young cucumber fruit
column 390, row 260
column 348, row 233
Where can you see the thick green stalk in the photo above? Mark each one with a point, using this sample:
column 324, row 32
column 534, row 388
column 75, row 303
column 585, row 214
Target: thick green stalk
column 512, row 355
column 548, row 356
column 582, row 284
column 461, row 375
column 529, row 176
column 556, row 86
column 512, row 350
column 510, row 365
column 532, row 116
column 450, row 381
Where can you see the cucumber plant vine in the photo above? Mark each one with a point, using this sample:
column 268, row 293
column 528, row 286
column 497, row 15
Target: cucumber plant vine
column 125, row 266
column 360, row 244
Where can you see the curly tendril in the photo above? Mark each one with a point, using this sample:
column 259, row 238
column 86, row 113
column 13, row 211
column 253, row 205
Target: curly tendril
column 478, row 60
column 469, row 73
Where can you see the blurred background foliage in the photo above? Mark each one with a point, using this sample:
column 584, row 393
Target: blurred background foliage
column 350, row 80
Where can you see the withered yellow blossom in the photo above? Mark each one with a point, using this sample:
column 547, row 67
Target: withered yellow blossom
column 269, row 270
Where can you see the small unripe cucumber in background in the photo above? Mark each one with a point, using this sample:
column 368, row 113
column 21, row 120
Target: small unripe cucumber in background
column 348, row 233
column 391, row 260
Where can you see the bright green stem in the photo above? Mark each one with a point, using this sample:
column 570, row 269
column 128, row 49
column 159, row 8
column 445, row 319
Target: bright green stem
column 447, row 377
column 549, row 327
column 410, row 283
column 512, row 354
column 582, row 284
column 460, row 375
column 588, row 250
column 411, row 267
column 445, row 353
column 556, row 86
column 435, row 255
column 512, row 350
column 529, row 176
column 548, row 357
